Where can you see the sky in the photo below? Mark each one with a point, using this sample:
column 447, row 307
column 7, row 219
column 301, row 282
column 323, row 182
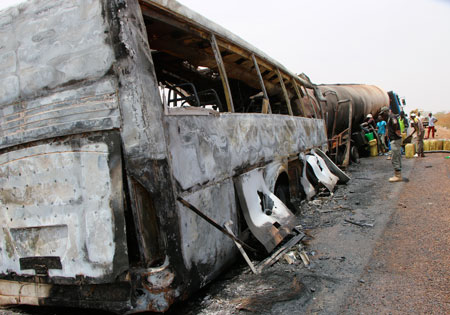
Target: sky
column 398, row 45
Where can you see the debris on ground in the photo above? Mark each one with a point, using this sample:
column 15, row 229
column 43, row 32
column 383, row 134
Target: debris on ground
column 268, row 291
column 304, row 258
column 277, row 254
column 362, row 224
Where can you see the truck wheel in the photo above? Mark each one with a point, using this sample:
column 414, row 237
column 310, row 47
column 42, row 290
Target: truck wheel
column 354, row 154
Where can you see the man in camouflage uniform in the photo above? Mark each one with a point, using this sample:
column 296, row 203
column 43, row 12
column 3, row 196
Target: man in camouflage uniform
column 395, row 137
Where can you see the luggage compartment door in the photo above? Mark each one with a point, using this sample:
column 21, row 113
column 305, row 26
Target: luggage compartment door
column 62, row 210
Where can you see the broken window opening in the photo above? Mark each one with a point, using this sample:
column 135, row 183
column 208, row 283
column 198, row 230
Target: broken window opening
column 184, row 56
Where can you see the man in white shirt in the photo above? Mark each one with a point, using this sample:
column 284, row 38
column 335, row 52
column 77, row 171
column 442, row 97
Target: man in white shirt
column 431, row 123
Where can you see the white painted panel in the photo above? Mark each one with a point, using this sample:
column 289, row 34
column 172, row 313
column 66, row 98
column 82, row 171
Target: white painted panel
column 55, row 200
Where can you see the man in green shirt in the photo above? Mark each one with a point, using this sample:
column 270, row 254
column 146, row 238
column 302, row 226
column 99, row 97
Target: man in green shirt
column 403, row 122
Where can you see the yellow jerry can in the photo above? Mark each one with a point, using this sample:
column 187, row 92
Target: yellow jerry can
column 426, row 145
column 433, row 145
column 409, row 150
column 373, row 147
column 447, row 145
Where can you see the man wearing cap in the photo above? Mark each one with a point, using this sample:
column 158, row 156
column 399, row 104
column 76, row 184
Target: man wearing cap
column 395, row 138
column 418, row 127
column 372, row 127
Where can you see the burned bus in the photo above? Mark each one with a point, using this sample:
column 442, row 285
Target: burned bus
column 112, row 112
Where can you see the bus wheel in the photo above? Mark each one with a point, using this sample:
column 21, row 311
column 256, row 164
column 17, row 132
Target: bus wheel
column 281, row 191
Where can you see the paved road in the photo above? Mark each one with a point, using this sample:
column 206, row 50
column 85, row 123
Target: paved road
column 409, row 270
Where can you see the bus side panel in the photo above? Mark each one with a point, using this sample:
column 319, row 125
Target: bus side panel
column 209, row 149
column 204, row 247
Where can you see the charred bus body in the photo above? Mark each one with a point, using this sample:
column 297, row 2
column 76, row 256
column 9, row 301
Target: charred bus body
column 110, row 111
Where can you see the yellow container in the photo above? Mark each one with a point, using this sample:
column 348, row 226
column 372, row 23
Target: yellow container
column 373, row 147
column 439, row 144
column 447, row 145
column 426, row 145
column 409, row 150
column 433, row 145
column 403, row 137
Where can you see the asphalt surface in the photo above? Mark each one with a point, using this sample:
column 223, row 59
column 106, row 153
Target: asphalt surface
column 409, row 270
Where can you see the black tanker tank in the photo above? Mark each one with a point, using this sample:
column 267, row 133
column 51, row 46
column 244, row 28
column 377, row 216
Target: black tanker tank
column 365, row 99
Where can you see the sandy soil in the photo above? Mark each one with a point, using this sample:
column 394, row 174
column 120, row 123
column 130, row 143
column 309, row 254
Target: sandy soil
column 441, row 133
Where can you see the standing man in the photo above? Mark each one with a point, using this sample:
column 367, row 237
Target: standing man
column 431, row 121
column 418, row 127
column 403, row 122
column 381, row 126
column 395, row 138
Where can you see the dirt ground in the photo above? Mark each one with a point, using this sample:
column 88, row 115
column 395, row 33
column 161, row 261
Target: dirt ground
column 441, row 133
column 398, row 264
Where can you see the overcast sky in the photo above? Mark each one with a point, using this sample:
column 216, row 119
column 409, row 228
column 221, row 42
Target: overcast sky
column 399, row 45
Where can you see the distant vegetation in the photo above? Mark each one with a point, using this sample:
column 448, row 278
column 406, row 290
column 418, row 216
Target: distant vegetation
column 443, row 119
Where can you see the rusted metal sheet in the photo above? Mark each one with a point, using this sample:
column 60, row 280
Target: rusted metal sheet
column 285, row 93
column 115, row 297
column 154, row 287
column 261, row 82
column 223, row 73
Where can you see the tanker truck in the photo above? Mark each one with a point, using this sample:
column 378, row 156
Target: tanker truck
column 345, row 106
